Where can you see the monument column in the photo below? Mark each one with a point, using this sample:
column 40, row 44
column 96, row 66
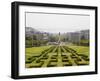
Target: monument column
column 59, row 38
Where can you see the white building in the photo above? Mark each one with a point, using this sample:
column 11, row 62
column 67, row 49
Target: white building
column 75, row 37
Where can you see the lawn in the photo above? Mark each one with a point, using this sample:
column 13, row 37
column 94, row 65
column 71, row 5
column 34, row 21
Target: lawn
column 36, row 50
column 51, row 58
column 80, row 49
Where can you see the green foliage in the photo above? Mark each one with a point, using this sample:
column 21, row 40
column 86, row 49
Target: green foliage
column 80, row 49
column 56, row 56
column 34, row 37
column 36, row 50
column 28, row 38
column 28, row 43
column 84, row 42
column 53, row 38
column 35, row 43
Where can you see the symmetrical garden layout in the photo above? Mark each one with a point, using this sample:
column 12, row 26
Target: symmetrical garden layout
column 56, row 56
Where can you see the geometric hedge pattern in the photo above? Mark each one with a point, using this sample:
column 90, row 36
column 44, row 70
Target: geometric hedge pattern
column 57, row 56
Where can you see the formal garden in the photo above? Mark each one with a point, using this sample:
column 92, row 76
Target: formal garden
column 56, row 56
column 44, row 49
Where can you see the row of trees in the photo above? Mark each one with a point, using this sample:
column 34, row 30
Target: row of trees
column 31, row 42
column 40, row 39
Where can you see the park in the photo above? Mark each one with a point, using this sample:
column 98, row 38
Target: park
column 60, row 52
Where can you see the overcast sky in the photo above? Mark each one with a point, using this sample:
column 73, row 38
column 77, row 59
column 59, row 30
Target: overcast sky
column 55, row 23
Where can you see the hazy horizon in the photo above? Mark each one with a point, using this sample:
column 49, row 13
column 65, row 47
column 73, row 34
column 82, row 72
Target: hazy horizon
column 57, row 23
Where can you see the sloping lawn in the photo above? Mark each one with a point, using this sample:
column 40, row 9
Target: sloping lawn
column 35, row 50
column 80, row 49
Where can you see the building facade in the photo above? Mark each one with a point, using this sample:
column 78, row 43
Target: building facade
column 76, row 37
